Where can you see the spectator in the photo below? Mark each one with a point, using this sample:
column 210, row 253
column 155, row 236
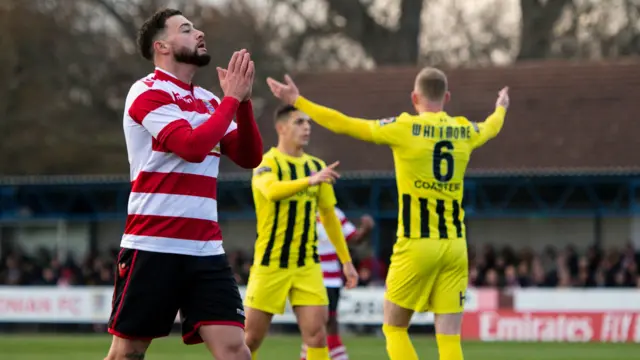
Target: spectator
column 364, row 274
column 105, row 277
column 583, row 279
column 524, row 277
column 511, row 277
column 487, row 268
column 491, row 278
column 600, row 278
column 48, row 277
column 538, row 274
column 12, row 275
column 564, row 277
column 374, row 269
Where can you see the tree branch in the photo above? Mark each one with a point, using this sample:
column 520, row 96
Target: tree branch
column 127, row 26
column 538, row 22
column 359, row 22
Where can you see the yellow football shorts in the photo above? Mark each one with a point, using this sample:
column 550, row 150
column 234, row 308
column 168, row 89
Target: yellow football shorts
column 269, row 288
column 428, row 275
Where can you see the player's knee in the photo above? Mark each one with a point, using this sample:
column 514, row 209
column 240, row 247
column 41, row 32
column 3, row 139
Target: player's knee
column 125, row 355
column 122, row 349
column 448, row 324
column 316, row 336
column 253, row 340
column 235, row 350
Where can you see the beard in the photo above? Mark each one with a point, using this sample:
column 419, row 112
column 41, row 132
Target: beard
column 187, row 56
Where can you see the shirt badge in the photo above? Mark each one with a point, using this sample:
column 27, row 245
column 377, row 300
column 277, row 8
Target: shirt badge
column 383, row 122
column 210, row 107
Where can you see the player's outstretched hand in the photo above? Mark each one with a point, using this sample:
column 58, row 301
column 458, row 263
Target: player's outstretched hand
column 326, row 175
column 237, row 79
column 287, row 92
column 350, row 274
column 503, row 98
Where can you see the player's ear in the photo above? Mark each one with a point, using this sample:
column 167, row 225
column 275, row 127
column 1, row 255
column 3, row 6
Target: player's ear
column 160, row 47
column 447, row 97
column 279, row 125
column 415, row 98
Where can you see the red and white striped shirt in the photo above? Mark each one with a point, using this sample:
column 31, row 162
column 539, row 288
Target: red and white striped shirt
column 328, row 258
column 172, row 206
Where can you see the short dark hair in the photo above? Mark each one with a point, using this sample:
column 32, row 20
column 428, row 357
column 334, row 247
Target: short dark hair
column 283, row 111
column 432, row 83
column 153, row 26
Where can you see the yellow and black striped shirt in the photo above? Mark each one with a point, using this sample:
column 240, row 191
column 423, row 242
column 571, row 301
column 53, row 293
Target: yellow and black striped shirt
column 287, row 227
column 431, row 152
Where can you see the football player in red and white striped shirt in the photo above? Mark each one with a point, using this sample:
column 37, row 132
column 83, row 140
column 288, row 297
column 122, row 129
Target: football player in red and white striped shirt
column 172, row 258
column 333, row 276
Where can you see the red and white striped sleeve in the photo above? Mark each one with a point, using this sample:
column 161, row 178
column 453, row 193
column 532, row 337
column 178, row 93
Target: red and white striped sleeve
column 348, row 229
column 215, row 102
column 166, row 120
column 242, row 141
column 156, row 111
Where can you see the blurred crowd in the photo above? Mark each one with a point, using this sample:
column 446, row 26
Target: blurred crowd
column 553, row 267
column 489, row 267
column 45, row 268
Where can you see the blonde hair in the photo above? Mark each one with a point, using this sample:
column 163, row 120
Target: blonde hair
column 432, row 84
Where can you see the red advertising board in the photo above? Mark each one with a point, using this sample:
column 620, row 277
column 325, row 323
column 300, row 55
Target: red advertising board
column 507, row 325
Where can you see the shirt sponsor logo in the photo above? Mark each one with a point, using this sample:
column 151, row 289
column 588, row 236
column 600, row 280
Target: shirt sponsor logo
column 186, row 99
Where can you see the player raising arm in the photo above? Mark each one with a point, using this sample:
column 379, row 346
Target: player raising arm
column 431, row 150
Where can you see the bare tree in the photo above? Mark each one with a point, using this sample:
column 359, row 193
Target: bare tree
column 67, row 66
column 58, row 101
column 398, row 45
column 386, row 43
column 539, row 19
column 595, row 30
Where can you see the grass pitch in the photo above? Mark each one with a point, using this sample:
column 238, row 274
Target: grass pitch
column 89, row 347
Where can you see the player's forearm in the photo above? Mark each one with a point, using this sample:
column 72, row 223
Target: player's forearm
column 278, row 190
column 194, row 145
column 335, row 120
column 493, row 124
column 333, row 227
column 244, row 146
column 359, row 234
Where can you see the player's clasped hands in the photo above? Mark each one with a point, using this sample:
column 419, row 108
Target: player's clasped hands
column 237, row 79
column 327, row 175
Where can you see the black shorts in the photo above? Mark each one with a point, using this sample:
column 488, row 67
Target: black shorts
column 334, row 298
column 151, row 288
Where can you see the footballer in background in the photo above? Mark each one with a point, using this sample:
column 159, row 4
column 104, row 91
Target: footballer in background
column 290, row 190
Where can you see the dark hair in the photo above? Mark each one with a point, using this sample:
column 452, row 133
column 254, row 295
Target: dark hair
column 153, row 26
column 283, row 111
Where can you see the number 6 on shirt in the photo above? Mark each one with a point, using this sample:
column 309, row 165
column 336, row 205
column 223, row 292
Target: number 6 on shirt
column 439, row 155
